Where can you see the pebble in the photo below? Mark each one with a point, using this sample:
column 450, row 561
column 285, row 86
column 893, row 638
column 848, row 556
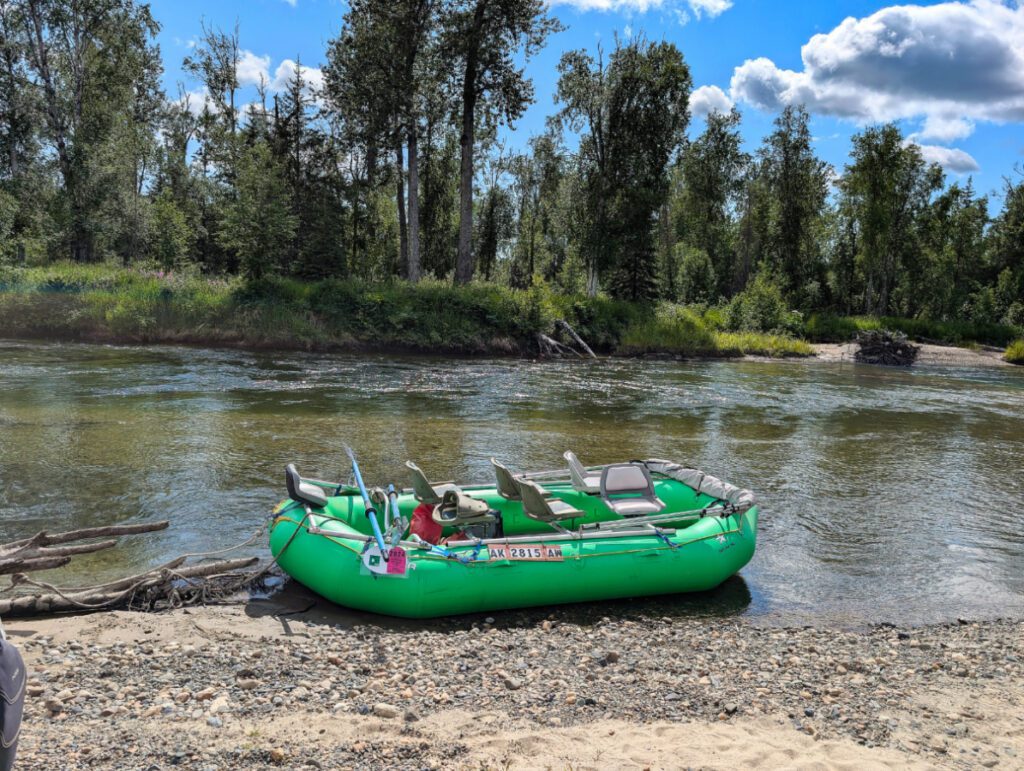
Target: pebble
column 385, row 710
column 565, row 667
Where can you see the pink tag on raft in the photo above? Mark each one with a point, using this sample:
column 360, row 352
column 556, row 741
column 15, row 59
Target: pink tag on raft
column 397, row 562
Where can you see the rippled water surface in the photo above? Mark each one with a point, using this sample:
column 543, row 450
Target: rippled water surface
column 886, row 495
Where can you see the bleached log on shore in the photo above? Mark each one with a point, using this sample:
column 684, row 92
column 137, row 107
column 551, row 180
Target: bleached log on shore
column 565, row 327
column 106, row 597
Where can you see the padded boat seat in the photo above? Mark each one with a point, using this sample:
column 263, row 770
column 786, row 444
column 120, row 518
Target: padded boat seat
column 303, row 492
column 457, row 508
column 425, row 491
column 628, row 490
column 582, row 480
column 537, row 506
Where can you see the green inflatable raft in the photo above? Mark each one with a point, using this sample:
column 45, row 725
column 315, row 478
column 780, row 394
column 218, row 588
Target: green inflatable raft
column 622, row 530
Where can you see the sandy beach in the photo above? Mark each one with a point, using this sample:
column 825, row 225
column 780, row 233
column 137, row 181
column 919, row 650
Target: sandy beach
column 929, row 355
column 261, row 685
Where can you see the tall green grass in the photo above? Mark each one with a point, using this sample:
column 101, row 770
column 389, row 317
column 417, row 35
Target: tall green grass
column 682, row 331
column 837, row 329
column 1015, row 352
column 108, row 303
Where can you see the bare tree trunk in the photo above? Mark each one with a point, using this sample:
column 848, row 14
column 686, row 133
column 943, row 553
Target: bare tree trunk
column 414, row 205
column 464, row 260
column 55, row 120
column 403, row 230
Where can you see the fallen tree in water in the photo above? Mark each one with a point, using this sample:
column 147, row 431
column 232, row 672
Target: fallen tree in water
column 890, row 349
column 170, row 585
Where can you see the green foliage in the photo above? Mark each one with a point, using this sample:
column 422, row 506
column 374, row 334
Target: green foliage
column 673, row 329
column 841, row 329
column 258, row 224
column 1015, row 352
column 103, row 302
column 795, row 186
column 634, row 113
column 885, row 192
column 761, row 307
column 696, row 282
column 98, row 164
column 708, row 186
column 172, row 235
column 684, row 331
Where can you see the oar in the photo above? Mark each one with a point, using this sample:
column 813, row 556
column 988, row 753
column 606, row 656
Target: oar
column 396, row 515
column 371, row 513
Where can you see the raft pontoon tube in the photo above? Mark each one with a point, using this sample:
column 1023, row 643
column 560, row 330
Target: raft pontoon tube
column 650, row 527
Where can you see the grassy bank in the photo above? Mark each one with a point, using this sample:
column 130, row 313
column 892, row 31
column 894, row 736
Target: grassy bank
column 101, row 303
column 1015, row 352
column 820, row 328
column 686, row 331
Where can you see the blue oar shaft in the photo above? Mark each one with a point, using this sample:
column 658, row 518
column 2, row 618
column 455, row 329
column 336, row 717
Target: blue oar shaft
column 371, row 513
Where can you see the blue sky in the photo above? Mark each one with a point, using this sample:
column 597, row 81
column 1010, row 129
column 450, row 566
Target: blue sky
column 951, row 73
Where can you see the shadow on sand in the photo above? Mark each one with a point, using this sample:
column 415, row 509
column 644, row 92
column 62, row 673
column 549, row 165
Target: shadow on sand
column 294, row 602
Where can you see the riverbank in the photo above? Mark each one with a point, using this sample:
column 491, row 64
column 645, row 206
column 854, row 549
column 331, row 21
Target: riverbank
column 929, row 355
column 106, row 304
column 265, row 686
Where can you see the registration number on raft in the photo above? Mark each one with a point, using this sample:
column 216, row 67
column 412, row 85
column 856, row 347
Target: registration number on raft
column 537, row 552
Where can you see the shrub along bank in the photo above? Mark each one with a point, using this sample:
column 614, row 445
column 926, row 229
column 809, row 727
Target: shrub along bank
column 1015, row 352
column 103, row 303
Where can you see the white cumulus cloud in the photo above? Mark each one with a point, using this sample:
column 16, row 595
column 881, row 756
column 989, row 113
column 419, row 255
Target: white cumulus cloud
column 637, row 6
column 944, row 128
column 710, row 7
column 949, row 64
column 708, row 99
column 699, row 8
column 285, row 72
column 949, row 158
column 252, row 69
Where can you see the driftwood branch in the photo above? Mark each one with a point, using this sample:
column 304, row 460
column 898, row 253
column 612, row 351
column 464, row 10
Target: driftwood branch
column 104, row 597
column 564, row 326
column 43, row 538
column 883, row 347
column 39, row 563
column 172, row 584
column 549, row 347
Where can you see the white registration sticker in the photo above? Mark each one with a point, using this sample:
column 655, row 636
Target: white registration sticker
column 396, row 566
column 536, row 552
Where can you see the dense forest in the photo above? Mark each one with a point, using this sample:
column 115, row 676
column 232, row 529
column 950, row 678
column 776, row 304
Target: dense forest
column 391, row 167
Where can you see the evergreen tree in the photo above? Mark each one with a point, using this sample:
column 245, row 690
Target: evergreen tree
column 258, row 225
column 711, row 177
column 796, row 185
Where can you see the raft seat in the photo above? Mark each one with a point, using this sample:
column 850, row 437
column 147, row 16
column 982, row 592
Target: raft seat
column 301, row 491
column 582, row 480
column 507, row 484
column 537, row 506
column 628, row 490
column 428, row 492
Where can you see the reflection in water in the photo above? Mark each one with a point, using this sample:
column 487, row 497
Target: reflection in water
column 886, row 494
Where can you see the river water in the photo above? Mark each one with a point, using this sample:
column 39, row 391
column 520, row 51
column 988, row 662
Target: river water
column 886, row 495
